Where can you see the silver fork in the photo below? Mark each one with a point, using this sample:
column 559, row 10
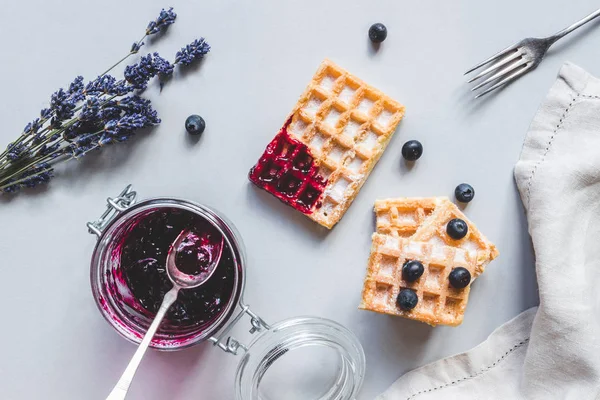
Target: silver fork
column 518, row 59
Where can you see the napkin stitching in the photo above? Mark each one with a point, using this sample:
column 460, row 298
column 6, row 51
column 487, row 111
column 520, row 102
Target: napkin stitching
column 481, row 372
column 550, row 141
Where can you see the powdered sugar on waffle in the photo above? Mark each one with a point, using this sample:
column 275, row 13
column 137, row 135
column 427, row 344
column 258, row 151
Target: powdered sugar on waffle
column 414, row 229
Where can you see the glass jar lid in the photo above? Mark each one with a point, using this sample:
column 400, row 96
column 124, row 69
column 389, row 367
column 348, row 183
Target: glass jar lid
column 304, row 358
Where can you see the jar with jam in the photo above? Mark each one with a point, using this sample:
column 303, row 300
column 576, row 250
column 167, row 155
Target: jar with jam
column 129, row 280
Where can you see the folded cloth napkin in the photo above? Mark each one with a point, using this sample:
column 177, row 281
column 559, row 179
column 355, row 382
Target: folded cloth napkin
column 552, row 351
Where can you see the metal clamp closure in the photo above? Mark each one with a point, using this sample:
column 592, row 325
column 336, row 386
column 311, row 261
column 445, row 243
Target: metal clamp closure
column 232, row 345
column 115, row 206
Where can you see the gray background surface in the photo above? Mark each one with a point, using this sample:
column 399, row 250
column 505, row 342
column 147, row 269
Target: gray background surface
column 55, row 344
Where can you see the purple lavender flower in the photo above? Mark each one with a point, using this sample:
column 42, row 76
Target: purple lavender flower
column 135, row 47
column 38, row 174
column 62, row 105
column 107, row 84
column 36, row 180
column 45, row 113
column 104, row 140
column 32, row 127
column 47, row 150
column 11, row 188
column 55, row 123
column 149, row 66
column 32, row 177
column 16, row 152
column 132, row 122
column 77, row 151
column 165, row 18
column 162, row 66
column 90, row 109
column 85, row 140
column 37, row 139
column 137, row 75
column 137, row 105
column 151, row 116
column 193, row 51
column 126, row 124
column 109, row 111
column 75, row 89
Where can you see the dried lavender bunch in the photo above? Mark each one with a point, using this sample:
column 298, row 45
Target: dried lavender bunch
column 88, row 116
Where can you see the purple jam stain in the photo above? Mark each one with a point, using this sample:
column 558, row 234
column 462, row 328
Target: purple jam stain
column 143, row 260
column 288, row 171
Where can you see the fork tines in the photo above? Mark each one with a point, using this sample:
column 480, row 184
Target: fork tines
column 506, row 66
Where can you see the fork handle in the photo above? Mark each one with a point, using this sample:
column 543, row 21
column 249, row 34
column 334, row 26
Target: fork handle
column 576, row 25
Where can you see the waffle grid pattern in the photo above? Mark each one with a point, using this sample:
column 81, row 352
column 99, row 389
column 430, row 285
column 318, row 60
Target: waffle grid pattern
column 439, row 303
column 407, row 218
column 414, row 229
column 346, row 125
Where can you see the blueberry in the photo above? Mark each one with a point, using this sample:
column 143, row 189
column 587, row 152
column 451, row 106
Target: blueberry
column 460, row 278
column 407, row 299
column 412, row 150
column 412, row 270
column 377, row 32
column 457, row 228
column 195, row 125
column 464, row 193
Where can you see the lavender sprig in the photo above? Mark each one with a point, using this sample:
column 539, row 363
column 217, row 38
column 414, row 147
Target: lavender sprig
column 165, row 18
column 192, row 52
column 150, row 65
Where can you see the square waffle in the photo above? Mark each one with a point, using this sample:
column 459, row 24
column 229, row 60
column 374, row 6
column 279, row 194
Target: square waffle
column 415, row 229
column 328, row 146
column 425, row 220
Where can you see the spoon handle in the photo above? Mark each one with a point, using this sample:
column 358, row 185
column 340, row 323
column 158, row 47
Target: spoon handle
column 120, row 390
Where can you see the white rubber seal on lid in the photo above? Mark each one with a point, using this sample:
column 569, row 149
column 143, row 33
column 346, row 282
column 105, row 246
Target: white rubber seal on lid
column 305, row 358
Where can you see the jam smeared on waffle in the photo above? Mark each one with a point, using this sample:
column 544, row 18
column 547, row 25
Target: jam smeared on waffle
column 336, row 133
column 288, row 170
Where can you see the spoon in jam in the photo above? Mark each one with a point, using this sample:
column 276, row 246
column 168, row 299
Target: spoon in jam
column 191, row 261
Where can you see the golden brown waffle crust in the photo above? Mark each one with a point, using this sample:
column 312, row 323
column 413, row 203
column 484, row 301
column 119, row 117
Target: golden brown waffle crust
column 334, row 91
column 414, row 229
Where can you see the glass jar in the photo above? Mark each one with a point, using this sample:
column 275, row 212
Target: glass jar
column 315, row 358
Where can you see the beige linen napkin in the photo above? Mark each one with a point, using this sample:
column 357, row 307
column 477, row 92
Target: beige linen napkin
column 553, row 351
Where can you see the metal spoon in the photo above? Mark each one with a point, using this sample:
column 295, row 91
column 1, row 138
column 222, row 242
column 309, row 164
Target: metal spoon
column 180, row 281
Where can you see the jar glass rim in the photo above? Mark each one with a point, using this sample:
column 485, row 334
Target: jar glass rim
column 295, row 333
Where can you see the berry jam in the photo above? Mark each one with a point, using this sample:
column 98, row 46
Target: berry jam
column 288, row 171
column 196, row 254
column 143, row 263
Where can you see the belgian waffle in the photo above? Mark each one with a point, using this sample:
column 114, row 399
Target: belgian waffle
column 329, row 144
column 414, row 229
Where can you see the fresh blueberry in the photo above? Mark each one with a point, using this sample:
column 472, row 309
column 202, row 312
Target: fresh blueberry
column 407, row 299
column 195, row 125
column 412, row 150
column 377, row 33
column 464, row 193
column 412, row 270
column 457, row 228
column 460, row 278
